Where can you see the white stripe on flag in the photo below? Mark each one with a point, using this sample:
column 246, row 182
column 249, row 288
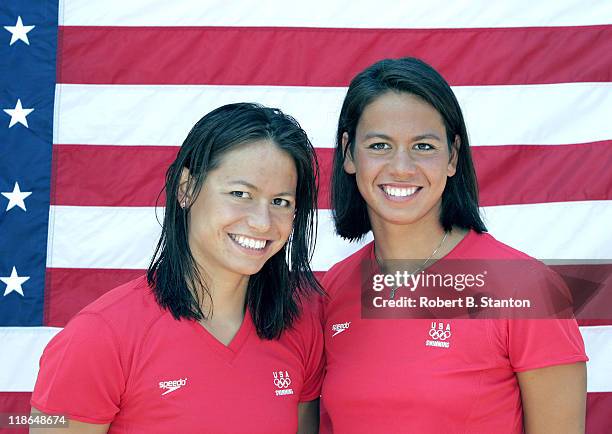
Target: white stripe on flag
column 21, row 351
column 130, row 234
column 25, row 345
column 323, row 13
column 124, row 237
column 597, row 342
column 163, row 115
column 561, row 230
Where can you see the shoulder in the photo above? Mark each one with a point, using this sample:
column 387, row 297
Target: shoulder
column 127, row 303
column 506, row 259
column 97, row 348
column 348, row 270
column 106, row 333
column 305, row 333
column 307, row 327
column 305, row 341
column 485, row 246
column 123, row 316
column 512, row 274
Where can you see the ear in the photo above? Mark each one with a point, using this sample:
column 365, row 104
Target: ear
column 349, row 165
column 183, row 194
column 454, row 156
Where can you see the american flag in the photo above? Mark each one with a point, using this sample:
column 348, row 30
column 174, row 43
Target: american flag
column 97, row 95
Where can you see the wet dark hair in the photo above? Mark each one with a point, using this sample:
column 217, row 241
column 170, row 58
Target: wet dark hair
column 274, row 292
column 413, row 76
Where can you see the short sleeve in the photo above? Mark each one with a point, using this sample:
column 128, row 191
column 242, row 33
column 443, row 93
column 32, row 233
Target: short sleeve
column 80, row 372
column 551, row 337
column 314, row 360
column 539, row 343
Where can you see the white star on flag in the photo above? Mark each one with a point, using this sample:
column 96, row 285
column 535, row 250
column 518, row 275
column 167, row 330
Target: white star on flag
column 16, row 197
column 18, row 114
column 14, row 282
column 19, row 32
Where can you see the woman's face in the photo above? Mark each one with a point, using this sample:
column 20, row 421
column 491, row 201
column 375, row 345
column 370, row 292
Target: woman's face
column 243, row 214
column 401, row 160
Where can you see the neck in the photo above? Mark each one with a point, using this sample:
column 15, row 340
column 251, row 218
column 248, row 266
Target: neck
column 228, row 294
column 416, row 241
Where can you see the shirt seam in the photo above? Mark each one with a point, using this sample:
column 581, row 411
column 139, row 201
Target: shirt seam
column 549, row 363
column 88, row 419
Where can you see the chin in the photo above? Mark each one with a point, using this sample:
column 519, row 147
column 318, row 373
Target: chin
column 408, row 215
column 248, row 270
column 398, row 218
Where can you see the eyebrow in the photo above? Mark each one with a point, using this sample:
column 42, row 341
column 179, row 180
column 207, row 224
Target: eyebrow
column 253, row 187
column 375, row 134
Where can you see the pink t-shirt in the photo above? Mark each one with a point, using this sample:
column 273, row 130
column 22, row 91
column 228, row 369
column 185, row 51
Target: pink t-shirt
column 125, row 361
column 382, row 377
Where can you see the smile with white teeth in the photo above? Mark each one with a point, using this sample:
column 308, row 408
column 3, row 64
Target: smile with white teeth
column 399, row 191
column 249, row 243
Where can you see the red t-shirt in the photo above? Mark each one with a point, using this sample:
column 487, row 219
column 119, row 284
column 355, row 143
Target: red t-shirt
column 123, row 360
column 382, row 377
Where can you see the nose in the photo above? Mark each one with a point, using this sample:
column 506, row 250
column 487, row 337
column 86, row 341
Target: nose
column 402, row 163
column 259, row 218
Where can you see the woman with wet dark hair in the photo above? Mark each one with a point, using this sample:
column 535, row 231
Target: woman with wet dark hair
column 214, row 337
column 403, row 170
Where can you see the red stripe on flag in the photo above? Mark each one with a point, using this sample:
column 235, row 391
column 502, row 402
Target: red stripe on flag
column 218, row 55
column 128, row 175
column 134, row 175
column 598, row 420
column 68, row 290
column 523, row 174
column 71, row 289
column 593, row 322
column 14, row 403
column 109, row 175
column 591, row 291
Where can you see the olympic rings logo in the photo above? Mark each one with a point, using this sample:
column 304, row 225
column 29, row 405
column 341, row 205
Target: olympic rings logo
column 282, row 383
column 439, row 335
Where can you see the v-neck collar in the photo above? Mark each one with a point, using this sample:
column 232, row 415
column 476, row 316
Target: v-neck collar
column 228, row 352
column 454, row 252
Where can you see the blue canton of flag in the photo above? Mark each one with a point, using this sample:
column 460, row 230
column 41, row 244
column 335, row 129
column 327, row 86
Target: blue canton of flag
column 27, row 69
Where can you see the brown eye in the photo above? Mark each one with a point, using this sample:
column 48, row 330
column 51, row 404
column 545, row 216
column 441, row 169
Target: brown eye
column 240, row 194
column 379, row 146
column 423, row 147
column 281, row 202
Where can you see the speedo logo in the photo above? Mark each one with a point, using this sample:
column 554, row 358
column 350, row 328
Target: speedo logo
column 339, row 328
column 172, row 385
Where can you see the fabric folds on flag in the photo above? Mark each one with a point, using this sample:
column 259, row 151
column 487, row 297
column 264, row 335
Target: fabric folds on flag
column 97, row 97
